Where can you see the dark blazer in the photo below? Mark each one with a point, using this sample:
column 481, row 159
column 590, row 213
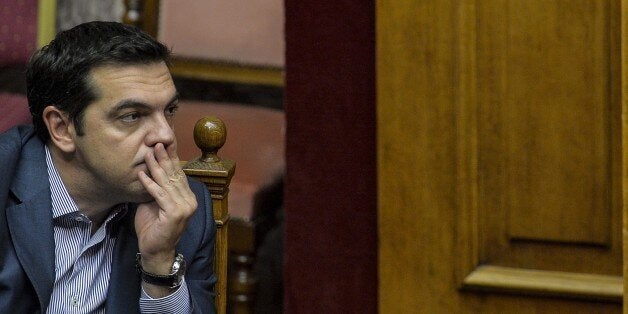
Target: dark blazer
column 27, row 262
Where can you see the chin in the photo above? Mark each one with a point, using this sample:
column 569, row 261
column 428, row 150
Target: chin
column 143, row 197
column 138, row 194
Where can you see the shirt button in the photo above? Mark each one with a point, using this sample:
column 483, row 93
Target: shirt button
column 74, row 301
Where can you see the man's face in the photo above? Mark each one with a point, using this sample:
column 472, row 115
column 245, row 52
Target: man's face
column 134, row 111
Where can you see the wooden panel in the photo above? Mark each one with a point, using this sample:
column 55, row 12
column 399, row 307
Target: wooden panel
column 499, row 131
column 544, row 77
column 624, row 105
column 547, row 162
column 550, row 283
column 547, row 150
column 416, row 121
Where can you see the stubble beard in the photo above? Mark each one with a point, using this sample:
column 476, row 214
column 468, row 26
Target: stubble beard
column 133, row 192
column 136, row 193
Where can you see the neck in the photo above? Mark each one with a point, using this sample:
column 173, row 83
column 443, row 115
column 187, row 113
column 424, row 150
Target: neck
column 82, row 189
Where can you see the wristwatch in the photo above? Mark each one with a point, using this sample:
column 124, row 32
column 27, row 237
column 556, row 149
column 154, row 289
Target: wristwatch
column 171, row 280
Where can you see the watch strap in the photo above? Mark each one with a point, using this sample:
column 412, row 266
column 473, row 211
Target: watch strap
column 171, row 280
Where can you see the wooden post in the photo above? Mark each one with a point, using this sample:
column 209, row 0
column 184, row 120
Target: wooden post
column 143, row 14
column 209, row 135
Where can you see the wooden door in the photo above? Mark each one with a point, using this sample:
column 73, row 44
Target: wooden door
column 500, row 156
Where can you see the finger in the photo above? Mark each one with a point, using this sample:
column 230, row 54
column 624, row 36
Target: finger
column 169, row 161
column 168, row 205
column 159, row 175
column 172, row 152
column 164, row 160
column 177, row 177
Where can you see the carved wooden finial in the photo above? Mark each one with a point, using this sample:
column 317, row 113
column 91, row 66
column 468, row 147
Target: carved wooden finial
column 209, row 135
column 132, row 13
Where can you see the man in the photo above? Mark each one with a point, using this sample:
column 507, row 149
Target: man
column 97, row 180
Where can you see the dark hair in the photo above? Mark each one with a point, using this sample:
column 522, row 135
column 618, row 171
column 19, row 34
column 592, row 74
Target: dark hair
column 59, row 73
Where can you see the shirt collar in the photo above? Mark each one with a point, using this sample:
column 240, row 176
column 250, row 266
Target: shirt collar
column 62, row 202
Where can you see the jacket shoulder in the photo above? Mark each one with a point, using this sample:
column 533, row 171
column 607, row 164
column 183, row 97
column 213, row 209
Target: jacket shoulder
column 12, row 140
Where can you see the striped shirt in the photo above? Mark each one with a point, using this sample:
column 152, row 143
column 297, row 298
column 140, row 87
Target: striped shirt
column 83, row 260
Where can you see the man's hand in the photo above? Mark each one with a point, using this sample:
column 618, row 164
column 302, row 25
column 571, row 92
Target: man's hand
column 160, row 223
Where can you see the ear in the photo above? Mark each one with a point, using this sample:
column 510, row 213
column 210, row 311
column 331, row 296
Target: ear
column 60, row 128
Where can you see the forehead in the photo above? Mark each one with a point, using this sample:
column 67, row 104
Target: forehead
column 151, row 80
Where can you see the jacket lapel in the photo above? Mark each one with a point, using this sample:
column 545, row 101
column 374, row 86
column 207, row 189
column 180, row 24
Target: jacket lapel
column 124, row 284
column 30, row 220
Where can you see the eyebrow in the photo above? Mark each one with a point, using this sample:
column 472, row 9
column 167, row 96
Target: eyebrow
column 130, row 103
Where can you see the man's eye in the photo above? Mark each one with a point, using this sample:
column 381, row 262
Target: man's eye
column 130, row 117
column 170, row 111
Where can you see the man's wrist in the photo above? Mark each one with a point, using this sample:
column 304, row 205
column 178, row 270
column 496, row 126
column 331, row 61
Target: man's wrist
column 159, row 264
column 170, row 279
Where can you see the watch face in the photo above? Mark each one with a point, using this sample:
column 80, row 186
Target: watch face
column 178, row 267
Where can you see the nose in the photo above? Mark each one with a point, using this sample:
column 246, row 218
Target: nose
column 160, row 132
